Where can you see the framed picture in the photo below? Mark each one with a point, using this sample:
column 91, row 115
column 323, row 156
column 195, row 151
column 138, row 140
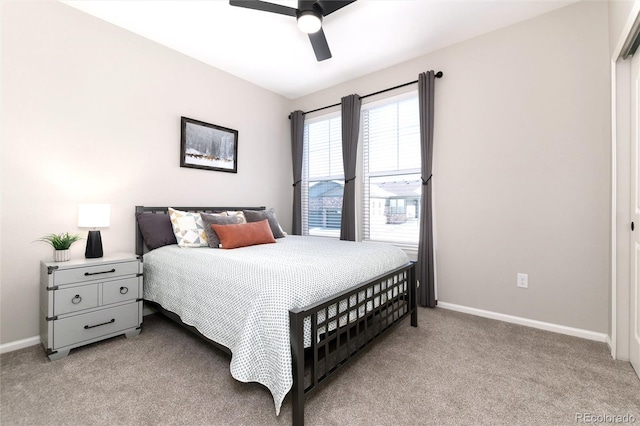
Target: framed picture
column 207, row 146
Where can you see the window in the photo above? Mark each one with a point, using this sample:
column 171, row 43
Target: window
column 322, row 177
column 392, row 183
column 390, row 144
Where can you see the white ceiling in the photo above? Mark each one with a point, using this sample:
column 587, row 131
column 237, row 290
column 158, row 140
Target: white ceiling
column 269, row 50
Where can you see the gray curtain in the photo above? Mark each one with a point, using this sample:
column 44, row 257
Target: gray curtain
column 350, row 130
column 425, row 265
column 297, row 136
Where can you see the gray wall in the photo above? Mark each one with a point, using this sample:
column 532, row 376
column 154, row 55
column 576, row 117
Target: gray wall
column 521, row 165
column 619, row 12
column 91, row 113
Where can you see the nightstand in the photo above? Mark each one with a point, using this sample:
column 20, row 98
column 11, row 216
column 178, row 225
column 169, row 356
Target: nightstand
column 86, row 300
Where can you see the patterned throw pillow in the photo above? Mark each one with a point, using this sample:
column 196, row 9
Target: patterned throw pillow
column 188, row 228
column 239, row 215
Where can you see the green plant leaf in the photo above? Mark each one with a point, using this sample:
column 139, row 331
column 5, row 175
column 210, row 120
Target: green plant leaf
column 60, row 241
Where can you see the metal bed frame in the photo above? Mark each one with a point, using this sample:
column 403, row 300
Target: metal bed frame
column 343, row 325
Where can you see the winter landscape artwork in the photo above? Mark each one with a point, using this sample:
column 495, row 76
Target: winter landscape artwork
column 207, row 146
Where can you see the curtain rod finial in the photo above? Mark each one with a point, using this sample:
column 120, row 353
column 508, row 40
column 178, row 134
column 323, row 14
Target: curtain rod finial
column 439, row 74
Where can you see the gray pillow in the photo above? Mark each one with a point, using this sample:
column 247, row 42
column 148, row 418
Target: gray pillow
column 208, row 219
column 270, row 215
column 156, row 230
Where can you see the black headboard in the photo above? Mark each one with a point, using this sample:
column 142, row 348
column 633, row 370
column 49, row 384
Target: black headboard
column 141, row 247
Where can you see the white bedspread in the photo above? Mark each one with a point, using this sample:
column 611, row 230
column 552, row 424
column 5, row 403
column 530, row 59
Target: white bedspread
column 241, row 298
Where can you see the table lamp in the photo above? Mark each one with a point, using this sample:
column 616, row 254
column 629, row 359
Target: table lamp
column 94, row 216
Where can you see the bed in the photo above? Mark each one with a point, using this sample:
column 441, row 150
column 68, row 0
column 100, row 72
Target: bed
column 291, row 313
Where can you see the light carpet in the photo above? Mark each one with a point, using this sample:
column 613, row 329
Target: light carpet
column 454, row 369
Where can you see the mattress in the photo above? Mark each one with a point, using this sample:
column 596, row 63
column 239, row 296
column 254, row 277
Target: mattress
column 241, row 298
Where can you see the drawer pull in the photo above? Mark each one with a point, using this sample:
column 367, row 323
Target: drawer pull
column 124, row 290
column 76, row 299
column 86, row 327
column 86, row 274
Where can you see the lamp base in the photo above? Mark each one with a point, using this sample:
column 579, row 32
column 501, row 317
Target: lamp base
column 94, row 245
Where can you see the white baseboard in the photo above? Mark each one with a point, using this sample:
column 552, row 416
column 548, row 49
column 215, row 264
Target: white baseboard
column 570, row 331
column 19, row 344
column 32, row 341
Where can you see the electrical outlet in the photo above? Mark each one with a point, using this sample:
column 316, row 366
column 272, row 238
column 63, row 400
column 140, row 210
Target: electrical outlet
column 523, row 280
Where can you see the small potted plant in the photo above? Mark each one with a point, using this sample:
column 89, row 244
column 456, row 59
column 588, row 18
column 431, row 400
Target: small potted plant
column 60, row 244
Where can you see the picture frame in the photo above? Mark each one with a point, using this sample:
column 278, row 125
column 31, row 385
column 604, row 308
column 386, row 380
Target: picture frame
column 207, row 146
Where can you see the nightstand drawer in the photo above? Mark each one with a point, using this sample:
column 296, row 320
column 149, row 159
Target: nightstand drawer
column 85, row 327
column 120, row 290
column 75, row 299
column 98, row 272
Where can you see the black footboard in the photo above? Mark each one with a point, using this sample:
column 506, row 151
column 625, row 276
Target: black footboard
column 340, row 327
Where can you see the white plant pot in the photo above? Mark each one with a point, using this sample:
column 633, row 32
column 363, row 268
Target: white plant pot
column 61, row 255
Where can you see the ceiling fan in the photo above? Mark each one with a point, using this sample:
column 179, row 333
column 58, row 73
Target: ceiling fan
column 309, row 15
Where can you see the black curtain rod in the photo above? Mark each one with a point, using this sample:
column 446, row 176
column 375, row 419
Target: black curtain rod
column 439, row 74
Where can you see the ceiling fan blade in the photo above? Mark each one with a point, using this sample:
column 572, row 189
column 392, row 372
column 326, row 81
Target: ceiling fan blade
column 264, row 6
column 330, row 6
column 320, row 45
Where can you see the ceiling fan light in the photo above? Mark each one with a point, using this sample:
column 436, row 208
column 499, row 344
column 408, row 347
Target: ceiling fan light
column 309, row 21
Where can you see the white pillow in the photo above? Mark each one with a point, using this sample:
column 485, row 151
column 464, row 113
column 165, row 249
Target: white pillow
column 188, row 228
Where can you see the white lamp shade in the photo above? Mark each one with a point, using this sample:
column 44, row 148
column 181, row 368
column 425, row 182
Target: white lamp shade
column 94, row 215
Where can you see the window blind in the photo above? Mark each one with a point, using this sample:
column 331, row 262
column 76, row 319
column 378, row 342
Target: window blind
column 322, row 176
column 391, row 166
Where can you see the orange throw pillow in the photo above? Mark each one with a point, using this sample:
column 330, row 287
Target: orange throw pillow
column 244, row 234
